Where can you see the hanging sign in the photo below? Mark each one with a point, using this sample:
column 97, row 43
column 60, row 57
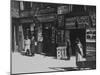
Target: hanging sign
column 61, row 21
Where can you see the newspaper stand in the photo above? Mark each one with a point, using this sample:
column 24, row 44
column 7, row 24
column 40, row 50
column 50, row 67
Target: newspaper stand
column 61, row 52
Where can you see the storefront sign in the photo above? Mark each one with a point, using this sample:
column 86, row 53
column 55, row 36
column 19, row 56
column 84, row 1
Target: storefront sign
column 61, row 21
column 81, row 21
column 47, row 11
column 91, row 35
column 46, row 18
column 26, row 20
column 26, row 13
column 61, row 53
column 70, row 22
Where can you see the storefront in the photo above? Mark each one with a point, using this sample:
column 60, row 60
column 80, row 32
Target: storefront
column 49, row 40
column 71, row 27
column 43, row 29
column 48, row 24
column 26, row 29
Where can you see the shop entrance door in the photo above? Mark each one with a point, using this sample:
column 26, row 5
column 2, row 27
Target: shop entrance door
column 78, row 33
column 48, row 47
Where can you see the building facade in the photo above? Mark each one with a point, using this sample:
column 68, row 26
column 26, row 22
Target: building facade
column 51, row 25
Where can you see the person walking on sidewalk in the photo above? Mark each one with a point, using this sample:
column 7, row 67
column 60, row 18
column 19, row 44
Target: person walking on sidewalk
column 79, row 54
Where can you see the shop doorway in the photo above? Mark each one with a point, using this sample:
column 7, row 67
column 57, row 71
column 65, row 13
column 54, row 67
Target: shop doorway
column 26, row 30
column 49, row 46
column 78, row 33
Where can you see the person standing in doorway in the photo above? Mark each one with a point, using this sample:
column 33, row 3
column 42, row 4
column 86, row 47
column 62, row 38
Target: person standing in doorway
column 67, row 49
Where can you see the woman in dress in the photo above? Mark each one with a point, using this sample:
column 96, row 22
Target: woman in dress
column 79, row 54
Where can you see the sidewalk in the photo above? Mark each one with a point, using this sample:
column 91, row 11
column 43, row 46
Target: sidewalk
column 38, row 63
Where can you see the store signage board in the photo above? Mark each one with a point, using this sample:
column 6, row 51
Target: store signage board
column 82, row 21
column 47, row 10
column 46, row 37
column 47, row 18
column 91, row 35
column 61, row 21
column 26, row 20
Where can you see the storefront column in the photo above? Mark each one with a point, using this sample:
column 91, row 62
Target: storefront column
column 67, row 37
column 32, row 38
column 40, row 39
column 12, row 37
column 15, row 47
column 20, row 39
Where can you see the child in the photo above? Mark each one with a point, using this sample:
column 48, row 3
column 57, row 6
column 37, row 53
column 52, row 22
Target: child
column 27, row 44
